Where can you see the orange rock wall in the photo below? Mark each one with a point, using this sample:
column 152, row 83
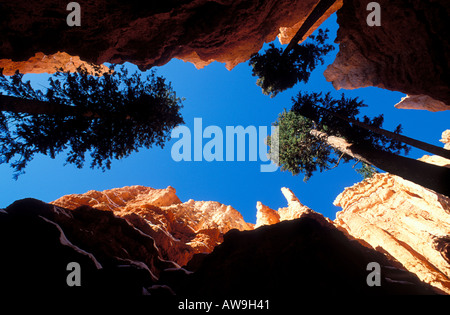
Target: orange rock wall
column 146, row 33
column 408, row 52
column 403, row 219
column 41, row 63
column 179, row 229
column 407, row 222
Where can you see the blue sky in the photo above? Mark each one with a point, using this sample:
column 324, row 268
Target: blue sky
column 223, row 98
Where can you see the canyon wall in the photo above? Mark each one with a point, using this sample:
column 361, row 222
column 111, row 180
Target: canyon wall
column 180, row 230
column 402, row 219
column 407, row 224
column 407, row 221
column 409, row 52
column 145, row 33
column 121, row 238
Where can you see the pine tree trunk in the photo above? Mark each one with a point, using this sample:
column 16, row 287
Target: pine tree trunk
column 395, row 136
column 35, row 107
column 430, row 176
column 314, row 16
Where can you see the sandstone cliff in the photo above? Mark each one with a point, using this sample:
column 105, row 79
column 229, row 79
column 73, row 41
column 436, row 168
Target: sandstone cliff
column 410, row 223
column 403, row 219
column 180, row 230
column 409, row 52
column 301, row 258
column 118, row 258
column 146, row 33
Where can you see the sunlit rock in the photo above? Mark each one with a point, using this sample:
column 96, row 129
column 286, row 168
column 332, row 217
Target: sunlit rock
column 180, row 230
column 405, row 220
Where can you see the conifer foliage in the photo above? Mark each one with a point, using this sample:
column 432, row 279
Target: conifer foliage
column 278, row 71
column 300, row 151
column 110, row 115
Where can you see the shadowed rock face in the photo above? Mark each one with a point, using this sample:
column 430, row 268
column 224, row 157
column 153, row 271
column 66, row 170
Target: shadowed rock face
column 306, row 256
column 149, row 33
column 315, row 259
column 39, row 240
column 414, row 234
column 409, row 52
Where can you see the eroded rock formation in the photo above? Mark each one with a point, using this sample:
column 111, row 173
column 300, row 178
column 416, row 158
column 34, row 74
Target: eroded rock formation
column 407, row 222
column 422, row 102
column 409, row 52
column 149, row 33
column 446, row 139
column 38, row 241
column 303, row 257
column 41, row 63
column 403, row 219
column 180, row 230
column 125, row 240
column 294, row 210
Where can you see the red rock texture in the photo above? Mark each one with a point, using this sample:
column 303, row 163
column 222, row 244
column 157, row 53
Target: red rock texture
column 180, row 230
column 409, row 52
column 41, row 63
column 401, row 218
column 315, row 258
column 149, row 33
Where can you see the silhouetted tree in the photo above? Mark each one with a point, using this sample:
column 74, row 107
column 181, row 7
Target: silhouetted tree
column 333, row 110
column 320, row 142
column 318, row 11
column 109, row 114
column 278, row 71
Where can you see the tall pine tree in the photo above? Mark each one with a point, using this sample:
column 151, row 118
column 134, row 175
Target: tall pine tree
column 110, row 115
column 312, row 140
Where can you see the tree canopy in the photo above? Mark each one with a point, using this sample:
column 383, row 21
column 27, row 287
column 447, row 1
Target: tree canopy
column 109, row 114
column 278, row 71
column 302, row 152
